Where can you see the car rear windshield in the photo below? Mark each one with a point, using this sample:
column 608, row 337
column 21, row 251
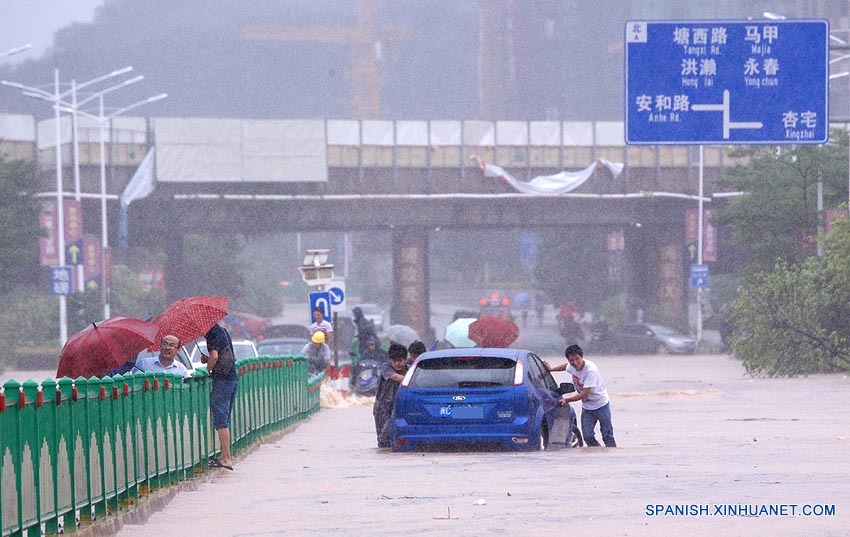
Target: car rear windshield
column 464, row 372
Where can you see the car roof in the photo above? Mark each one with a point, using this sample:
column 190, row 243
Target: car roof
column 513, row 354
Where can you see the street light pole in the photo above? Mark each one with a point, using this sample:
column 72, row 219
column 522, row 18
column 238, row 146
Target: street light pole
column 59, row 105
column 13, row 51
column 60, row 215
column 102, row 119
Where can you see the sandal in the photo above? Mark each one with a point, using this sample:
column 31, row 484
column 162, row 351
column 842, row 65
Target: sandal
column 215, row 463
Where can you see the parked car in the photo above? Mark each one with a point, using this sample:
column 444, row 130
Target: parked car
column 242, row 348
column 281, row 346
column 374, row 314
column 481, row 398
column 643, row 338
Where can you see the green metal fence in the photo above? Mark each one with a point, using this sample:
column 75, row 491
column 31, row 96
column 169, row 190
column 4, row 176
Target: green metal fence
column 70, row 448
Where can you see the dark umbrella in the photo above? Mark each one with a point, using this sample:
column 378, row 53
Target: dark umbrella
column 100, row 347
column 190, row 318
column 402, row 334
column 489, row 331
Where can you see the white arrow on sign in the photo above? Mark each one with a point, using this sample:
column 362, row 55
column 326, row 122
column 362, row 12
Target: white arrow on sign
column 337, row 295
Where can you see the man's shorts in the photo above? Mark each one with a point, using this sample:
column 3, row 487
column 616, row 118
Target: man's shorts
column 222, row 397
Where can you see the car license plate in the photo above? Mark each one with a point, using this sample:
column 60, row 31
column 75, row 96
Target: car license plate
column 462, row 412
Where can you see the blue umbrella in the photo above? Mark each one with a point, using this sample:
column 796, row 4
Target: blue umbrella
column 457, row 333
column 522, row 300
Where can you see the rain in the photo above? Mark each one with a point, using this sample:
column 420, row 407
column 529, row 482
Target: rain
column 453, row 160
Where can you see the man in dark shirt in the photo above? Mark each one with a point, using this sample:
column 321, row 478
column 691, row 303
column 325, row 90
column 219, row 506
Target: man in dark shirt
column 221, row 366
column 391, row 374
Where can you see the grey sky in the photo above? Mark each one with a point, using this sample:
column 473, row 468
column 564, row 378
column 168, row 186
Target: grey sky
column 35, row 21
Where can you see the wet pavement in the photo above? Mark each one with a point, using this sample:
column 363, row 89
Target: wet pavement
column 693, row 431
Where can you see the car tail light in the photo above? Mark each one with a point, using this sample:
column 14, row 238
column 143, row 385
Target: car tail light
column 494, row 297
column 506, row 301
column 483, row 301
column 406, row 380
column 519, row 373
column 401, row 441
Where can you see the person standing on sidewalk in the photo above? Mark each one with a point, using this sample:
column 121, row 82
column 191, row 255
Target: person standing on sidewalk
column 221, row 364
column 591, row 391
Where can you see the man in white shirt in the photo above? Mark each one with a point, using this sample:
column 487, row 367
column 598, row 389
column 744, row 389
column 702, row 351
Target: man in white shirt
column 321, row 325
column 168, row 349
column 591, row 391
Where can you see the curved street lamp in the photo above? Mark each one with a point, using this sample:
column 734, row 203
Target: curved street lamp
column 13, row 51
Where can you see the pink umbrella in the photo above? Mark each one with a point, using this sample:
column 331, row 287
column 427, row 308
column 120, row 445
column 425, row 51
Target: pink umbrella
column 189, row 318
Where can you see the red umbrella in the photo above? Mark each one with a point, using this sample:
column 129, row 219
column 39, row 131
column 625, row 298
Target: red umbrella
column 100, row 347
column 190, row 318
column 489, row 331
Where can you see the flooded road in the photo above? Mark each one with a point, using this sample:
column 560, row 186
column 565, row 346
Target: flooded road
column 695, row 434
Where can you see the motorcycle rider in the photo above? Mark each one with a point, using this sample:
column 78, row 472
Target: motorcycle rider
column 365, row 328
column 373, row 352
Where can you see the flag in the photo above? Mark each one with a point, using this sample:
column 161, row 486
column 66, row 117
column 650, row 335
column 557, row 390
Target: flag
column 140, row 186
column 142, row 182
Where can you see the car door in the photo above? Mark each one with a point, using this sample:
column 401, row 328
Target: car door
column 557, row 417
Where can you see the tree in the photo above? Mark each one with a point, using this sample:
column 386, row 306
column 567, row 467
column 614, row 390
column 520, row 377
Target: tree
column 19, row 231
column 778, row 219
column 793, row 319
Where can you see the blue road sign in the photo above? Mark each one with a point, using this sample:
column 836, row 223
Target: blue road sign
column 727, row 82
column 61, row 280
column 699, row 275
column 528, row 246
column 336, row 296
column 322, row 300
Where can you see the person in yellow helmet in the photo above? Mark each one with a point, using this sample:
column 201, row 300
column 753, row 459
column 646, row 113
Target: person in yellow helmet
column 317, row 352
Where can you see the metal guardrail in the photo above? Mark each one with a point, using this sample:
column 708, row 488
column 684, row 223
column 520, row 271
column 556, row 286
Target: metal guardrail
column 95, row 447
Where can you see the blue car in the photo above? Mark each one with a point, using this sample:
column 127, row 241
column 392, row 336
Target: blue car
column 481, row 398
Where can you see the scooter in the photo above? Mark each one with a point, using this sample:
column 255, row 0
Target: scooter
column 363, row 379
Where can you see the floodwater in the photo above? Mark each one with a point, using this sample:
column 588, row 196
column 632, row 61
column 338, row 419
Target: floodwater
column 695, row 434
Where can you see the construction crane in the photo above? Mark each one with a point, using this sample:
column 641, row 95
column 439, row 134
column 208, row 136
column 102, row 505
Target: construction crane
column 366, row 48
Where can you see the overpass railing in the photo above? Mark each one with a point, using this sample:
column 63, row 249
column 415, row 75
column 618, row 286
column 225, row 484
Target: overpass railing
column 92, row 447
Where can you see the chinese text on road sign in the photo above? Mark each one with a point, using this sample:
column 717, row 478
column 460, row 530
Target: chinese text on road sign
column 727, row 82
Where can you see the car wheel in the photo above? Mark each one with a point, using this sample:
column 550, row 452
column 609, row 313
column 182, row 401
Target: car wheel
column 662, row 349
column 542, row 438
column 576, row 440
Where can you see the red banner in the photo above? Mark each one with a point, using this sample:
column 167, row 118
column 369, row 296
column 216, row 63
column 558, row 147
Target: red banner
column 92, row 260
column 709, row 234
column 73, row 220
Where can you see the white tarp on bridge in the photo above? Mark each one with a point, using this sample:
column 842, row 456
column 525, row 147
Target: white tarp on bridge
column 548, row 185
column 200, row 150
